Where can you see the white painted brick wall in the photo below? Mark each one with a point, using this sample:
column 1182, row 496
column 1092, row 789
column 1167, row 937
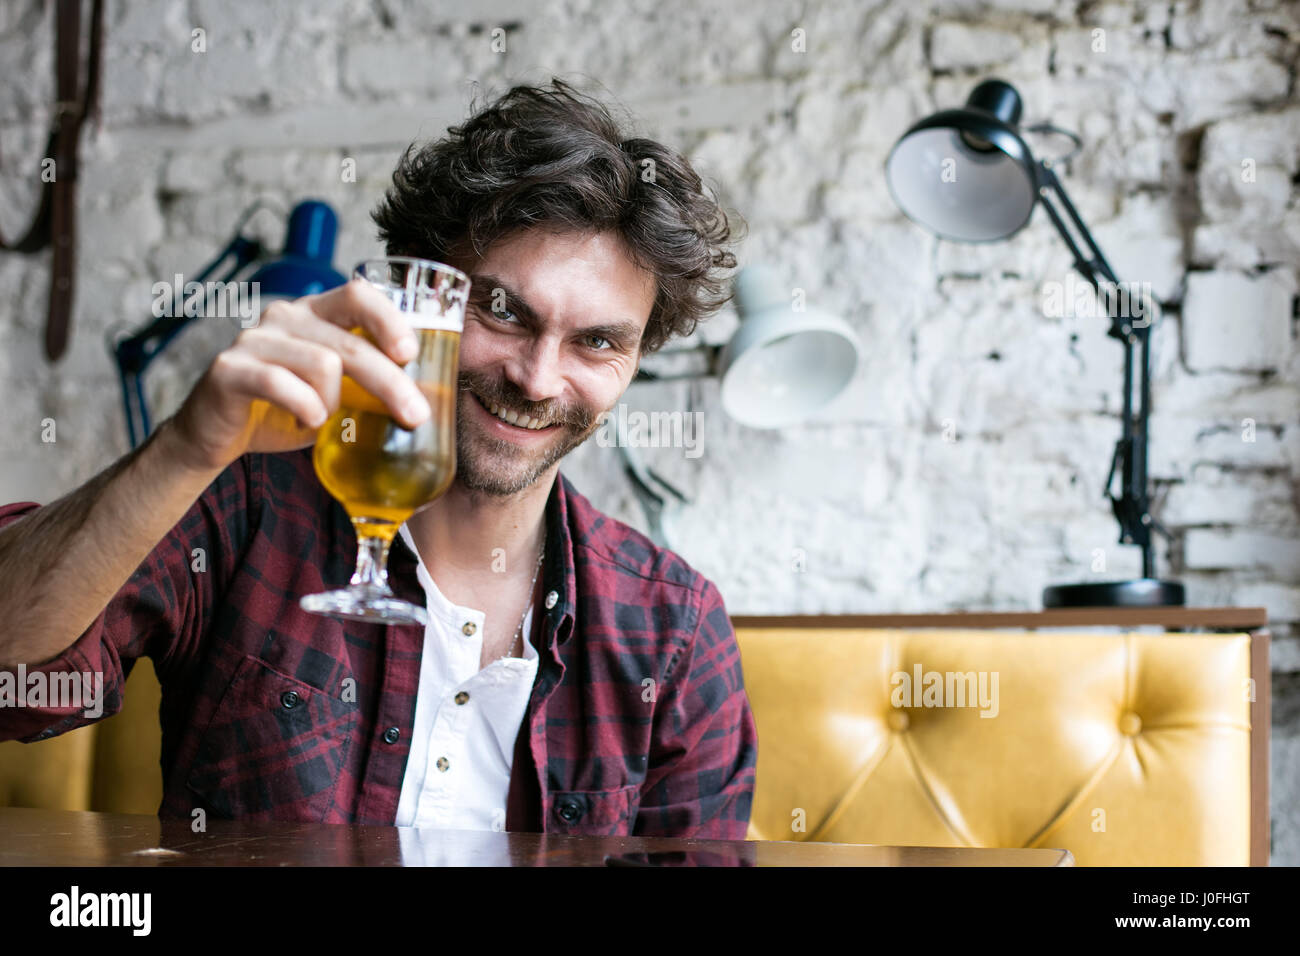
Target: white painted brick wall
column 956, row 45
column 1240, row 548
column 1237, row 322
column 1192, row 146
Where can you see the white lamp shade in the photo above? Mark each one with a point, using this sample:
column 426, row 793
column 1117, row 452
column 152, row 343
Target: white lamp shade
column 958, row 192
column 782, row 366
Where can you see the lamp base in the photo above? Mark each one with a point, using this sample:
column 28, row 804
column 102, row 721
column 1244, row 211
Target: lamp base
column 1142, row 592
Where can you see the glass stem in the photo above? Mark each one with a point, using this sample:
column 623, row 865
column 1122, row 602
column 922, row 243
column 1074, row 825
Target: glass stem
column 372, row 563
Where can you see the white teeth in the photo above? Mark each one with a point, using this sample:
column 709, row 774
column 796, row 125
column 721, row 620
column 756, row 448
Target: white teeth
column 514, row 418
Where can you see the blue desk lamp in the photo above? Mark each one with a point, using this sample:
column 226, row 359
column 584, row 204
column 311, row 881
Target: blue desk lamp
column 303, row 268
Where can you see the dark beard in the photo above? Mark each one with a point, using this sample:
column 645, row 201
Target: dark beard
column 577, row 425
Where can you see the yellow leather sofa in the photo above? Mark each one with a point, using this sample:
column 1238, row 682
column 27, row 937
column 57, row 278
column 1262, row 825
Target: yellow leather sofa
column 111, row 765
column 1138, row 748
column 1123, row 748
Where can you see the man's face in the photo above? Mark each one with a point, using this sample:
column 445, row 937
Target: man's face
column 552, row 331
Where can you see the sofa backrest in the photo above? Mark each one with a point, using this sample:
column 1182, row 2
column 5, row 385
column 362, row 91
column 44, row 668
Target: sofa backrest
column 111, row 765
column 1123, row 748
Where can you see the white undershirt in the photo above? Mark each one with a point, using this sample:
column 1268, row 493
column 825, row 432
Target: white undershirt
column 476, row 738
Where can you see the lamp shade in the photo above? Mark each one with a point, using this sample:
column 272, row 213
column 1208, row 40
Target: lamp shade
column 781, row 366
column 966, row 174
column 304, row 268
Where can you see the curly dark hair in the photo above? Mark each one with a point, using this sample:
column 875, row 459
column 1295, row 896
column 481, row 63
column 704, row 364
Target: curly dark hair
column 554, row 157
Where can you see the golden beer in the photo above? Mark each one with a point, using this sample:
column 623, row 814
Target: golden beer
column 380, row 471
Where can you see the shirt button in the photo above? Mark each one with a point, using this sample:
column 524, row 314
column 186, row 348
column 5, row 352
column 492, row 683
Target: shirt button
column 442, row 763
column 392, row 735
column 462, row 697
column 569, row 810
column 551, row 598
column 469, row 629
column 290, row 699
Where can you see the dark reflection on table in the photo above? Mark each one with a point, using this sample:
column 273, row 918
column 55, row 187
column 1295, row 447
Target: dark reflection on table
column 681, row 858
column 78, row 838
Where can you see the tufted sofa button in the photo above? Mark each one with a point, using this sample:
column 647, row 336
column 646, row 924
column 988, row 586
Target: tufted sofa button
column 1130, row 724
column 898, row 721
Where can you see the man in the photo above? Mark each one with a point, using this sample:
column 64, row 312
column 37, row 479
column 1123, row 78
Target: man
column 601, row 694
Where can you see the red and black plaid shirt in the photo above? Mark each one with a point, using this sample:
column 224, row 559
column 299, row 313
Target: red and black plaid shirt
column 269, row 712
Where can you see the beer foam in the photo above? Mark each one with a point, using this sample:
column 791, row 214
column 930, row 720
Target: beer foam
column 429, row 314
column 428, row 310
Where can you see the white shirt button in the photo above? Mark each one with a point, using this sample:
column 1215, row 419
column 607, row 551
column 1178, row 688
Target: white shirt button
column 551, row 598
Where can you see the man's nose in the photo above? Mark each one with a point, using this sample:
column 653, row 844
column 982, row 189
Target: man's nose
column 536, row 370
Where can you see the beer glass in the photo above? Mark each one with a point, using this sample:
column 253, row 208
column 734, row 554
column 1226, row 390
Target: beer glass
column 381, row 472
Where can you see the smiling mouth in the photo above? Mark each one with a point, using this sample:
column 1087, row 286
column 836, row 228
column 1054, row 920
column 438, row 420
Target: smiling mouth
column 512, row 418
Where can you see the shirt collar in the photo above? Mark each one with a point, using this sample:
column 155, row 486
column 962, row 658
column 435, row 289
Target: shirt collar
column 558, row 569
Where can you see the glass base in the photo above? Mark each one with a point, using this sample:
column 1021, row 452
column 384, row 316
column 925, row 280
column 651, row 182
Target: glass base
column 368, row 605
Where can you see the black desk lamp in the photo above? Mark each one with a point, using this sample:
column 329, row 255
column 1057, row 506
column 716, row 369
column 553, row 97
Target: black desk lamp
column 966, row 174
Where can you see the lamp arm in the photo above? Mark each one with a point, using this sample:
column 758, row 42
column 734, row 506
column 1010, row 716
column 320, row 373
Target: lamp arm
column 1131, row 506
column 1090, row 263
column 135, row 352
column 710, row 354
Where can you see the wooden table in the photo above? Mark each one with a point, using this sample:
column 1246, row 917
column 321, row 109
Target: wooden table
column 81, row 838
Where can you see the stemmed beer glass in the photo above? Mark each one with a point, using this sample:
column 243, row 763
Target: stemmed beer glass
column 381, row 472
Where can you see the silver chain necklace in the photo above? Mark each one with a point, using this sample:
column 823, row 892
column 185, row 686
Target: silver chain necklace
column 519, row 630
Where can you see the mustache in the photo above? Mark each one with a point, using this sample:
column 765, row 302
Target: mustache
column 510, row 398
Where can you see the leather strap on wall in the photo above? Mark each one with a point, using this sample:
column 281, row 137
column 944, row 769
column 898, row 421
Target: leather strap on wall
column 55, row 223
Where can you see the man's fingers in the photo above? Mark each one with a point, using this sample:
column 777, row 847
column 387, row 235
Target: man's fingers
column 245, row 374
column 318, row 365
column 370, row 368
column 358, row 303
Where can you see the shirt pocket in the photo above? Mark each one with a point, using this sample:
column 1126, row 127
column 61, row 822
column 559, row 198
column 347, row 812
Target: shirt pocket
column 593, row 812
column 274, row 748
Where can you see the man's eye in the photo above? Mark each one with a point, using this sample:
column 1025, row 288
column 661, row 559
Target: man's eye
column 599, row 338
column 503, row 314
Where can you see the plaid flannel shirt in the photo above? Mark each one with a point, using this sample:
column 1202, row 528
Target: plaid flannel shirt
column 638, row 722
